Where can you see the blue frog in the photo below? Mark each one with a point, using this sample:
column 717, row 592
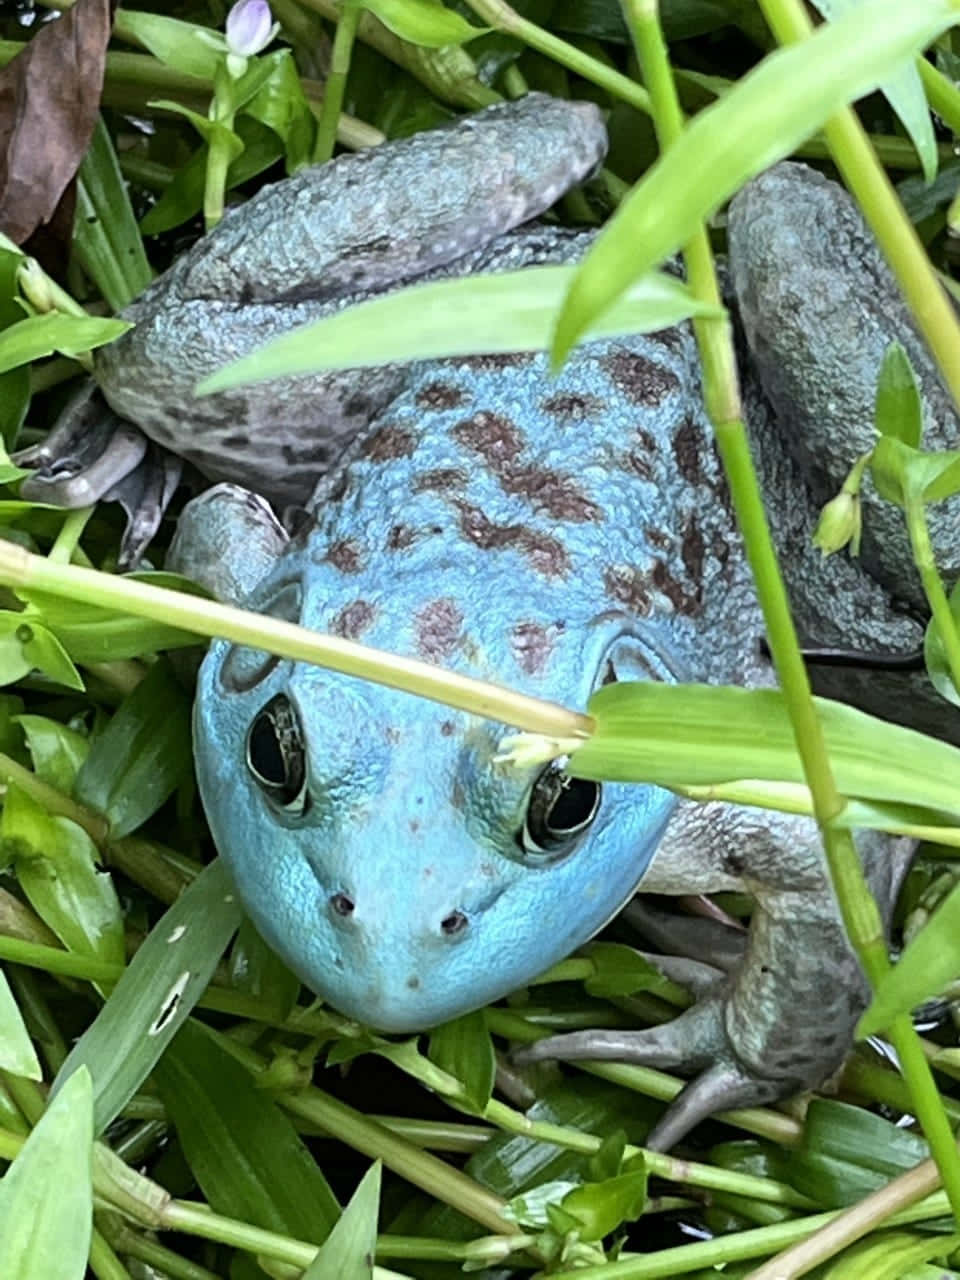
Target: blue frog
column 553, row 534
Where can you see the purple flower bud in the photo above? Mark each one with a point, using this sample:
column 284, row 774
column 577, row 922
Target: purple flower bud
column 250, row 27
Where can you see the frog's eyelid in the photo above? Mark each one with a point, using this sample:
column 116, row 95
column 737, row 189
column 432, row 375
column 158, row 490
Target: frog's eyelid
column 244, row 668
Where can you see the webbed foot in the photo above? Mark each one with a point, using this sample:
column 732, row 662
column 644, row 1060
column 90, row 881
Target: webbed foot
column 93, row 455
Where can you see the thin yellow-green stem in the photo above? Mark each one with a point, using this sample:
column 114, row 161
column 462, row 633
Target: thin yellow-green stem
column 503, row 18
column 336, row 80
column 942, row 94
column 721, row 393
column 933, row 587
column 21, row 569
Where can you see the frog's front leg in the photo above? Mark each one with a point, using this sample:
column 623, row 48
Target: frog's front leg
column 783, row 1021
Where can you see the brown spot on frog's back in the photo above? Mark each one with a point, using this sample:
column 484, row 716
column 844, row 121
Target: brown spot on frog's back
column 558, row 495
column 441, row 480
column 532, row 644
column 545, row 554
column 683, row 601
column 692, row 550
column 438, row 627
column 629, row 586
column 688, row 441
column 440, row 395
column 386, row 444
column 495, row 438
column 345, row 555
column 353, row 620
column 574, row 407
column 401, row 537
column 641, row 379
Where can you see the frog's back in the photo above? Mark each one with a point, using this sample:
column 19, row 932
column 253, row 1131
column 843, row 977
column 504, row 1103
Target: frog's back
column 529, row 506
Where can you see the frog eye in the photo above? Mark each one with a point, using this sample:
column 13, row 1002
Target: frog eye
column 559, row 811
column 276, row 757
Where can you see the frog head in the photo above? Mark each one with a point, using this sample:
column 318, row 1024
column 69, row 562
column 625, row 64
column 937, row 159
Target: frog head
column 401, row 871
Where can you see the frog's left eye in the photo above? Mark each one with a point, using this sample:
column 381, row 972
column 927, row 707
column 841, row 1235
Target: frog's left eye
column 559, row 811
column 276, row 756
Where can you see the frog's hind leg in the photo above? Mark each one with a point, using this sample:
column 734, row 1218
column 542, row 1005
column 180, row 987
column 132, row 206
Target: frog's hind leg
column 783, row 1021
column 227, row 540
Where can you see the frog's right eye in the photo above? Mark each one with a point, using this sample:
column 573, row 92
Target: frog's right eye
column 276, row 756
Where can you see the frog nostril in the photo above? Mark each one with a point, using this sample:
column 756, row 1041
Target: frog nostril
column 454, row 923
column 341, row 904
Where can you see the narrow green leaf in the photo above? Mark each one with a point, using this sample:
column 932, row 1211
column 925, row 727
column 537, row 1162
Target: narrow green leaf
column 258, row 970
column 463, row 1048
column 56, row 750
column 213, row 132
column 505, row 311
column 15, row 383
column 243, row 1150
column 177, row 44
column 156, row 993
column 46, row 1196
column 26, row 645
column 761, row 120
column 424, row 22
column 930, row 961
column 621, row 971
column 39, row 336
column 17, row 1054
column 889, row 1255
column 57, row 866
column 935, row 656
column 699, row 735
column 281, row 105
column 601, row 1207
column 351, row 1247
column 898, row 409
column 141, row 756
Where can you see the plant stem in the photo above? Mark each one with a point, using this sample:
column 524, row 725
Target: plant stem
column 933, row 587
column 336, row 80
column 861, row 916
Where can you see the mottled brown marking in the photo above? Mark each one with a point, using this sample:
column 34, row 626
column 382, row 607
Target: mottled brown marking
column 545, row 554
column 345, row 554
column 551, row 491
column 673, row 339
column 532, row 644
column 353, row 620
column 574, row 407
column 494, row 360
column 447, row 728
column 440, row 395
column 628, row 586
column 637, row 463
column 387, row 444
column 720, row 549
column 401, row 537
column 687, row 444
column 641, row 379
column 495, row 438
column 439, row 627
column 692, row 549
column 440, row 480
column 682, row 600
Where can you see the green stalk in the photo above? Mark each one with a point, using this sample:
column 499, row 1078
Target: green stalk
column 336, row 80
column 503, row 18
column 104, row 1263
column 21, row 569
column 942, row 94
column 721, row 394
column 933, row 587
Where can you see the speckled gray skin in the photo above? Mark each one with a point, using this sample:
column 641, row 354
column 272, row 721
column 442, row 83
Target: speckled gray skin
column 551, row 534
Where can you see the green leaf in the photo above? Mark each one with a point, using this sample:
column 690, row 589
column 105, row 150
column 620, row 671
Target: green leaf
column 17, row 1054
column 56, row 865
column 106, row 239
column 158, row 989
column 15, row 383
column 213, row 132
column 175, row 43
column 701, row 735
column 749, row 129
column 621, row 971
column 141, row 756
column 600, row 1207
column 898, row 409
column 929, row 962
column 258, row 970
column 56, row 750
column 46, row 1196
column 463, row 1048
column 90, row 633
column 243, row 1150
column 26, row 645
column 935, row 655
column 905, row 93
column 281, row 105
column 351, row 1247
column 889, row 1255
column 424, row 22
column 39, row 336
column 505, row 311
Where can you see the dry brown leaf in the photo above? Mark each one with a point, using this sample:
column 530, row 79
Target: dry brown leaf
column 49, row 99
